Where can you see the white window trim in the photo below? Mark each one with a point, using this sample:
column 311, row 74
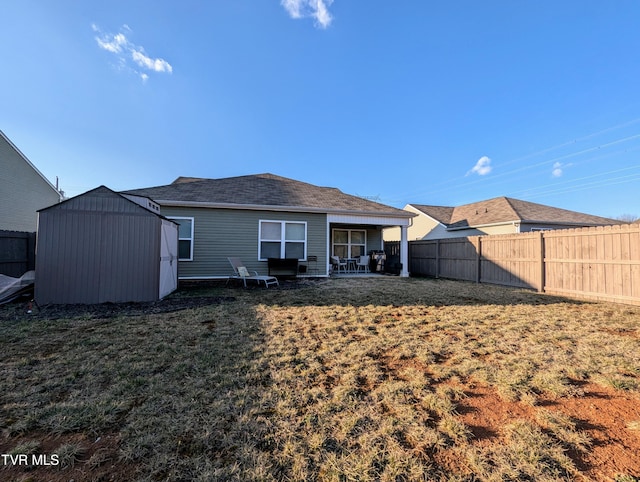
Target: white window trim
column 349, row 243
column 282, row 239
column 193, row 223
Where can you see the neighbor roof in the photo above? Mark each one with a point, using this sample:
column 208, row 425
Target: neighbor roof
column 506, row 210
column 263, row 191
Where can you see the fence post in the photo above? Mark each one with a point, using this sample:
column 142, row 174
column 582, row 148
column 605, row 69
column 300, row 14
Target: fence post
column 31, row 252
column 437, row 258
column 541, row 261
column 478, row 259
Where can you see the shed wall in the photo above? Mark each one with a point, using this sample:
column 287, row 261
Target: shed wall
column 89, row 256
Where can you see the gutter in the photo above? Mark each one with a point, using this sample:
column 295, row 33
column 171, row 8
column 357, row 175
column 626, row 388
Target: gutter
column 262, row 207
column 526, row 221
column 488, row 225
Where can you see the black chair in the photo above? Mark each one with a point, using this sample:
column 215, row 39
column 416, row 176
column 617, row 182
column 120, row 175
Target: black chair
column 312, row 265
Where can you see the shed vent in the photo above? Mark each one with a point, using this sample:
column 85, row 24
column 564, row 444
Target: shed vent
column 145, row 202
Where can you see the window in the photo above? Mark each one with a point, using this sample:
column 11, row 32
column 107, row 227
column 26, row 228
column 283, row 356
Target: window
column 185, row 238
column 349, row 243
column 282, row 239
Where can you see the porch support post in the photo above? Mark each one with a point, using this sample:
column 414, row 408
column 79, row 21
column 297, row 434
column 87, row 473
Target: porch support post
column 404, row 252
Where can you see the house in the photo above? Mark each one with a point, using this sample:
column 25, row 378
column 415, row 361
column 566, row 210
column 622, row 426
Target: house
column 501, row 215
column 102, row 246
column 23, row 189
column 257, row 217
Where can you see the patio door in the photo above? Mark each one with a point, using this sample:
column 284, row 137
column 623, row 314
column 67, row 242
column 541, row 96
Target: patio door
column 349, row 243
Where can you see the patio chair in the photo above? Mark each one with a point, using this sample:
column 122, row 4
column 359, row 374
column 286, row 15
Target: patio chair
column 338, row 264
column 363, row 264
column 241, row 272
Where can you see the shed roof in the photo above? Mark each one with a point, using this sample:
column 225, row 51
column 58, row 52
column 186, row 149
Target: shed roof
column 102, row 199
column 507, row 210
column 263, row 191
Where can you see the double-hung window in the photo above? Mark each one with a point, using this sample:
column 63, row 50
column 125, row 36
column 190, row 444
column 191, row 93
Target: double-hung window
column 282, row 239
column 185, row 238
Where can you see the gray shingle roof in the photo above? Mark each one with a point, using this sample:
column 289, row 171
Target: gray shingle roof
column 265, row 191
column 505, row 210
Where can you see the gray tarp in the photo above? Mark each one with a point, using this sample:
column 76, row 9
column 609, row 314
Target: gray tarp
column 12, row 288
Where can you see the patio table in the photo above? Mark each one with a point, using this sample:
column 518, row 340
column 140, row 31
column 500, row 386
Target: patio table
column 351, row 264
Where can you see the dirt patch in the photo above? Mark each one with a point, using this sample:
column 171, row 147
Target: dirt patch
column 604, row 414
column 17, row 311
column 184, row 299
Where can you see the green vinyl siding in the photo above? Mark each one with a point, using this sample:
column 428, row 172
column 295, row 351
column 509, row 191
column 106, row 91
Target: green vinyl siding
column 220, row 233
column 374, row 240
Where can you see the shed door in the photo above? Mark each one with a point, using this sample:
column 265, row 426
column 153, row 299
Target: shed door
column 168, row 258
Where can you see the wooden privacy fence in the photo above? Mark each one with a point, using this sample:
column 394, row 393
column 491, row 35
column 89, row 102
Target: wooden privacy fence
column 17, row 252
column 601, row 263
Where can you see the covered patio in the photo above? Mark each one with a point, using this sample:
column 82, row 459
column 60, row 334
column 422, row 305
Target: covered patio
column 356, row 246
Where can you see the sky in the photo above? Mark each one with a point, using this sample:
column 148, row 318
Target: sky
column 418, row 101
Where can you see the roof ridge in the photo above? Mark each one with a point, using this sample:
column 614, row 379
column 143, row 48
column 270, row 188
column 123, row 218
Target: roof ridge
column 513, row 208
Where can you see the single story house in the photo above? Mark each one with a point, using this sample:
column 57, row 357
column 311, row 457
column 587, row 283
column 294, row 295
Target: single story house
column 262, row 216
column 501, row 215
column 23, row 189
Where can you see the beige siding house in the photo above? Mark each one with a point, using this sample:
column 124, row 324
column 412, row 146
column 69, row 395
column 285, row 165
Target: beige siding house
column 501, row 215
column 264, row 216
column 23, row 189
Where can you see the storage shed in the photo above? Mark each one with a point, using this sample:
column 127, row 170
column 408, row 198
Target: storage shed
column 102, row 246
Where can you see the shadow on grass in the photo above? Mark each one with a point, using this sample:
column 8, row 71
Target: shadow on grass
column 179, row 382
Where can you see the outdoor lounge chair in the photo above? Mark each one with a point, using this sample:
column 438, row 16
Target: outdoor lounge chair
column 241, row 272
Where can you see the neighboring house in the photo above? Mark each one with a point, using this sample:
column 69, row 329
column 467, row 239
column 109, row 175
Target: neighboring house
column 263, row 216
column 23, row 189
column 501, row 215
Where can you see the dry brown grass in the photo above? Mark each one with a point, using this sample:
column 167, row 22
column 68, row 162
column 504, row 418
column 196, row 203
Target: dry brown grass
column 346, row 379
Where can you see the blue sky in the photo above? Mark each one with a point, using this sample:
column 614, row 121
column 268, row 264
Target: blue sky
column 431, row 102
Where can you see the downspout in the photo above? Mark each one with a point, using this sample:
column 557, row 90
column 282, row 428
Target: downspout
column 327, row 266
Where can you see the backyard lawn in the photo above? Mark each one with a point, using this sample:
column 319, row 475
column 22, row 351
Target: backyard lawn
column 374, row 379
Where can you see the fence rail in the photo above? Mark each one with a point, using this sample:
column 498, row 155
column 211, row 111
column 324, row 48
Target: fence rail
column 601, row 263
column 17, row 252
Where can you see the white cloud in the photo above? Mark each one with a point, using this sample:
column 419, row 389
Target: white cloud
column 130, row 55
column 559, row 168
column 114, row 44
column 292, row 7
column 482, row 167
column 157, row 65
column 316, row 9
